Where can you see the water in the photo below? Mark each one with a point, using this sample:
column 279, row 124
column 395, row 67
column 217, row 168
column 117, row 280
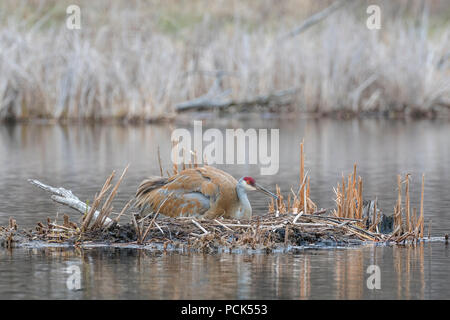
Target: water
column 79, row 157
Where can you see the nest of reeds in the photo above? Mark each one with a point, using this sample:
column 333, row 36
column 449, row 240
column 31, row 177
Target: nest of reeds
column 267, row 233
column 291, row 222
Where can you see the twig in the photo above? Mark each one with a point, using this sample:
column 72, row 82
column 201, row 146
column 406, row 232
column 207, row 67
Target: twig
column 297, row 217
column 314, row 19
column 229, row 229
column 153, row 220
column 200, row 227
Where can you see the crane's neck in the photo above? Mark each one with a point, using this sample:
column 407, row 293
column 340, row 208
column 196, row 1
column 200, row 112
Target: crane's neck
column 245, row 210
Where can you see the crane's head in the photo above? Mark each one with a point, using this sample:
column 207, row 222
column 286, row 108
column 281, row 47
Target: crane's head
column 249, row 184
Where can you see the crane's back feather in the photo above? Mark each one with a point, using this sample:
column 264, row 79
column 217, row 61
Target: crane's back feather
column 199, row 192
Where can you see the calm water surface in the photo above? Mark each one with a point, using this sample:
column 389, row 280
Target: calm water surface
column 80, row 157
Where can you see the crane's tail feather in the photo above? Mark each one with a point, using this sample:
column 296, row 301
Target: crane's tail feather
column 144, row 189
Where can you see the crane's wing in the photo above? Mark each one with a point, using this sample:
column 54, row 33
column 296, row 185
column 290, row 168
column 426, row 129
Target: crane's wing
column 185, row 194
column 198, row 192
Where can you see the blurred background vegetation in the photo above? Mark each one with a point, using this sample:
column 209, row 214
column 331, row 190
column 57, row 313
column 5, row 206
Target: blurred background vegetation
column 137, row 60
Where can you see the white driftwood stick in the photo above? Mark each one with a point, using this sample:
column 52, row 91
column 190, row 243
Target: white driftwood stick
column 67, row 198
column 200, row 227
column 297, row 217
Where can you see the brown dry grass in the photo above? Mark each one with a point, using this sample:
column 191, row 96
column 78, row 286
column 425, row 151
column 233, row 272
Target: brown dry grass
column 135, row 60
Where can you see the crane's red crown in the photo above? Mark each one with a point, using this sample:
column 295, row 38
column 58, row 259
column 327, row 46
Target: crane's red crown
column 250, row 181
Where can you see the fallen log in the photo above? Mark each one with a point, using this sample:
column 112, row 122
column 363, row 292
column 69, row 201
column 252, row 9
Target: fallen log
column 67, row 198
column 220, row 101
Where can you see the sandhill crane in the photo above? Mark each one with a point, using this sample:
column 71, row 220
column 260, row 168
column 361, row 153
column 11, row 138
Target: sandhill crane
column 203, row 192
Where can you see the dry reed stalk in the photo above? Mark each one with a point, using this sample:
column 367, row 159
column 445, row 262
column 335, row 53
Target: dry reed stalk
column 302, row 199
column 12, row 224
column 349, row 200
column 159, row 162
column 414, row 221
column 142, row 238
column 349, row 197
column 361, row 233
column 195, row 158
column 271, row 207
column 65, row 220
column 398, row 206
column 302, row 165
column 286, row 235
column 220, row 223
column 124, row 209
column 184, row 158
column 298, row 198
column 349, row 206
column 302, row 178
column 342, row 197
column 107, row 206
column 374, row 216
column 238, row 225
column 338, row 201
column 159, row 228
column 404, row 237
column 305, row 202
column 97, row 199
column 343, row 184
column 175, row 147
column 308, row 188
column 421, row 206
column 289, row 206
column 360, row 197
column 200, row 226
column 136, row 227
column 408, row 204
column 281, row 208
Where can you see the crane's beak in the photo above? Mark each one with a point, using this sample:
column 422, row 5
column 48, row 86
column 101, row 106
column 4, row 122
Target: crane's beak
column 264, row 190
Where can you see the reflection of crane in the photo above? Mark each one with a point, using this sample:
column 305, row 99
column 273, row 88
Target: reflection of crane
column 205, row 192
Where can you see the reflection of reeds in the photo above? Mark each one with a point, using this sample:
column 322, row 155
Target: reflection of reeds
column 409, row 270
